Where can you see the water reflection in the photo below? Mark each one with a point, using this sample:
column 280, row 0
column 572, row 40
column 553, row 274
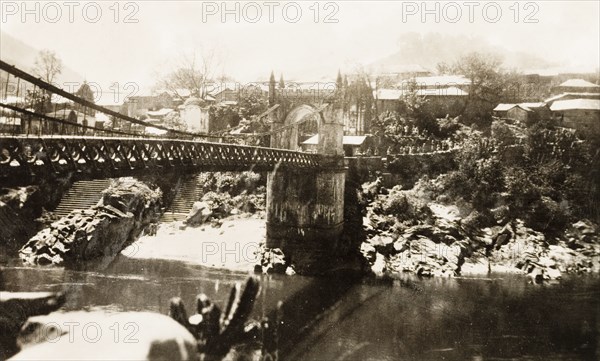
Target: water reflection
column 348, row 318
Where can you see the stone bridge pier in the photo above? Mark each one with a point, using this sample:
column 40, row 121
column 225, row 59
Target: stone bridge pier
column 305, row 208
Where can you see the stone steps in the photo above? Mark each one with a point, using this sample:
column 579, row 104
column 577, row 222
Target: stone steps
column 183, row 202
column 82, row 195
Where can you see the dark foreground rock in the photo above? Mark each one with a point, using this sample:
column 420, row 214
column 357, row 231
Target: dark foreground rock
column 98, row 233
column 82, row 335
column 219, row 330
column 16, row 308
column 272, row 260
column 212, row 333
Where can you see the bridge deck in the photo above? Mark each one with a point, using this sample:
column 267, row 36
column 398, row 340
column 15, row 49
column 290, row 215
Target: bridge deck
column 26, row 159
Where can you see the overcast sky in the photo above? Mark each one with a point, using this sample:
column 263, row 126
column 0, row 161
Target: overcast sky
column 109, row 50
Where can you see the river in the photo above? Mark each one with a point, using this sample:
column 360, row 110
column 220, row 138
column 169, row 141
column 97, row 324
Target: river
column 348, row 318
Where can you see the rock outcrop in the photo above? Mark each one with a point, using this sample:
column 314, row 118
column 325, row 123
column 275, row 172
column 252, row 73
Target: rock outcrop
column 22, row 211
column 404, row 234
column 98, row 233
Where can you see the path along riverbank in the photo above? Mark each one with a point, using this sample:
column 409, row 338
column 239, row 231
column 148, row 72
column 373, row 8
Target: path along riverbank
column 232, row 245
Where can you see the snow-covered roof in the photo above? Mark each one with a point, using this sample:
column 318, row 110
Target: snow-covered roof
column 159, row 113
column 10, row 120
column 109, row 99
column 347, row 140
column 395, row 94
column 388, row 94
column 439, row 81
column 579, row 83
column 11, row 99
column 576, row 104
column 192, row 101
column 450, row 91
column 533, row 105
column 579, row 95
column 101, row 117
column 155, row 131
column 502, row 107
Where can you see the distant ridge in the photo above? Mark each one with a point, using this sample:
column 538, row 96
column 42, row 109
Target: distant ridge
column 22, row 55
column 424, row 51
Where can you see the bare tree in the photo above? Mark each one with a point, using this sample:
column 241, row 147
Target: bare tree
column 192, row 74
column 47, row 65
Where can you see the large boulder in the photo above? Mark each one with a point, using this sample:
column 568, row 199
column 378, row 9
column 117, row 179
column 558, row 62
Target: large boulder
column 271, row 260
column 200, row 214
column 98, row 233
column 94, row 335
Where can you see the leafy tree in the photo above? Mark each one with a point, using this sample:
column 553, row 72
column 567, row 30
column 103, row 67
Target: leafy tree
column 360, row 94
column 223, row 116
column 415, row 107
column 486, row 89
column 38, row 100
column 502, row 133
column 252, row 104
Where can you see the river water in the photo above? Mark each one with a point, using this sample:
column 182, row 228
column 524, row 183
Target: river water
column 348, row 318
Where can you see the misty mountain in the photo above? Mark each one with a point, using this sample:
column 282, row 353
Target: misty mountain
column 425, row 51
column 22, row 55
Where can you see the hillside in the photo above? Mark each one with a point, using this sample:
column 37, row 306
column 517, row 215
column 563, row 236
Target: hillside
column 22, row 55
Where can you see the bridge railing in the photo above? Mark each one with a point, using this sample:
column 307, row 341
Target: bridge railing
column 24, row 159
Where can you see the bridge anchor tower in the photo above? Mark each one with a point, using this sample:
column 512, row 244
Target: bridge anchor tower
column 305, row 208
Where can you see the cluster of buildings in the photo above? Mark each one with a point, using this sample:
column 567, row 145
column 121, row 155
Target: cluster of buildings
column 445, row 94
column 575, row 103
column 190, row 109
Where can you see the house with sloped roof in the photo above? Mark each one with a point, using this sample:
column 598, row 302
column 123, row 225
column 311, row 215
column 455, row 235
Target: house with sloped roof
column 577, row 86
column 438, row 82
column 441, row 101
column 523, row 112
column 580, row 114
column 353, row 144
column 571, row 95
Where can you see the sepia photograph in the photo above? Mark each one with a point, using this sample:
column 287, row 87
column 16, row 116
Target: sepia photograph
column 348, row 180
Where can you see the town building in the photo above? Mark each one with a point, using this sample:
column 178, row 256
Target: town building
column 577, row 86
column 194, row 113
column 441, row 101
column 571, row 95
column 353, row 145
column 580, row 114
column 522, row 112
column 139, row 105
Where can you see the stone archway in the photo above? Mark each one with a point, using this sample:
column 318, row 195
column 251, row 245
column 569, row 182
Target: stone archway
column 305, row 208
column 329, row 121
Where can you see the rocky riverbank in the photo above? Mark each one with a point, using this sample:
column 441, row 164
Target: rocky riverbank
column 407, row 232
column 23, row 211
column 99, row 233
